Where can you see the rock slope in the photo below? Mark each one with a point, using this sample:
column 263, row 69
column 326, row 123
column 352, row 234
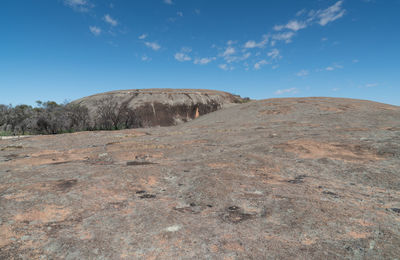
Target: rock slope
column 305, row 178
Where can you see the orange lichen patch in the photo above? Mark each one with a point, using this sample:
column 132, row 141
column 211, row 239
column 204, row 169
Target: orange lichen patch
column 276, row 110
column 22, row 196
column 363, row 223
column 391, row 128
column 310, row 149
column 220, row 165
column 214, row 248
column 308, row 241
column 233, row 246
column 6, row 234
column 358, row 235
column 47, row 213
column 82, row 233
column 336, row 108
column 199, row 141
column 54, row 157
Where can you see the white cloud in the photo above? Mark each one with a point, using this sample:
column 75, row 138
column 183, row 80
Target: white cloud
column 250, row 44
column 168, row 2
column 274, row 54
column 180, row 56
column 225, row 67
column 296, row 25
column 371, row 85
column 334, row 67
column 302, row 73
column 79, row 5
column 254, row 44
column 259, row 64
column 180, row 14
column 153, row 45
column 301, row 12
column 293, row 25
column 95, row 30
column 286, row 91
column 229, row 51
column 110, row 20
column 143, row 36
column 287, row 36
column 330, row 14
column 203, row 61
column 145, row 58
column 355, row 61
column 246, row 56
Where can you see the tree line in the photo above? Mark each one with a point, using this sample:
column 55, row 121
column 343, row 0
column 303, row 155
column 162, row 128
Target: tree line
column 53, row 118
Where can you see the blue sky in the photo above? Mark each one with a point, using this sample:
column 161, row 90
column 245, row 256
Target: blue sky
column 66, row 49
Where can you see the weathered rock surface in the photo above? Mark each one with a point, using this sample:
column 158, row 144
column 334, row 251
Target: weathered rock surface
column 307, row 178
column 164, row 107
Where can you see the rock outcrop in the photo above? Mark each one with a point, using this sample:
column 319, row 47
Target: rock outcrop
column 163, row 107
column 301, row 178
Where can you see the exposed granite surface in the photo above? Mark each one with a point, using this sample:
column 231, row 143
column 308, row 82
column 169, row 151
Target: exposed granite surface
column 306, row 178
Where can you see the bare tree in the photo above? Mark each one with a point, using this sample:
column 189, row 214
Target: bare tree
column 112, row 115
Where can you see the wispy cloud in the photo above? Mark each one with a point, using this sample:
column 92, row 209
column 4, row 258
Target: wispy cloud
column 153, row 45
column 229, row 51
column 286, row 36
column 302, row 73
column 145, row 58
column 293, row 25
column 95, row 30
column 143, row 36
column 253, row 44
column 274, row 54
column 371, row 85
column 321, row 17
column 108, row 19
column 79, row 5
column 259, row 64
column 333, row 67
column 183, row 55
column 286, row 91
column 204, row 61
column 168, row 2
column 226, row 67
column 330, row 14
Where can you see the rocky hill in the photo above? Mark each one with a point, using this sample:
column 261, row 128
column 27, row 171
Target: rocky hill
column 161, row 107
column 302, row 178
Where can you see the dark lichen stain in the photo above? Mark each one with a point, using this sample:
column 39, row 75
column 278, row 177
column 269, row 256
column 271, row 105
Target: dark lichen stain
column 140, row 191
column 330, row 193
column 299, row 179
column 64, row 185
column 233, row 208
column 147, row 196
column 397, row 210
column 235, row 215
column 136, row 163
